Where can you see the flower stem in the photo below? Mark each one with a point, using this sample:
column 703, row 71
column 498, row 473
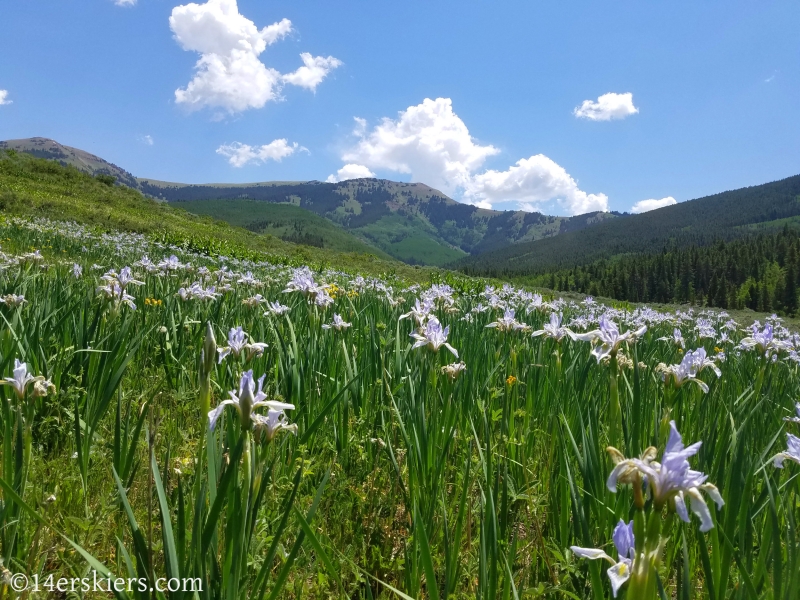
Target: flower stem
column 615, row 411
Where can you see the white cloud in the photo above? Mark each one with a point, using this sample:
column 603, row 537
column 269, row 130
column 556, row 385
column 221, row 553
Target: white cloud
column 532, row 181
column 652, row 204
column 4, row 97
column 124, row 2
column 608, row 106
column 428, row 141
column 350, row 171
column 239, row 154
column 433, row 145
column 229, row 73
column 313, row 72
column 146, row 139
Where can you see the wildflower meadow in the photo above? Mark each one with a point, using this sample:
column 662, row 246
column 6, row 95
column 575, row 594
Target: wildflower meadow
column 280, row 431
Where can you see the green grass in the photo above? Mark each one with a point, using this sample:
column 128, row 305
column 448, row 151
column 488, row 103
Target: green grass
column 410, row 240
column 775, row 225
column 398, row 476
column 37, row 187
column 284, row 221
column 400, row 479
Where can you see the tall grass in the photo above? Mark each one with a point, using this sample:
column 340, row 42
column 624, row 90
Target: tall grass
column 404, row 478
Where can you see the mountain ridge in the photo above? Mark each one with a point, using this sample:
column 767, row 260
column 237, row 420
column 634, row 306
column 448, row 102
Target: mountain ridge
column 702, row 221
column 67, row 155
column 412, row 222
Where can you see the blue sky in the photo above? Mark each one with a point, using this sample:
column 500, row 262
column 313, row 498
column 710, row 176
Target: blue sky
column 713, row 86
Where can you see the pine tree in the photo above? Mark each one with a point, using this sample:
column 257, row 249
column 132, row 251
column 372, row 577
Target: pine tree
column 721, row 297
column 764, row 303
column 790, row 289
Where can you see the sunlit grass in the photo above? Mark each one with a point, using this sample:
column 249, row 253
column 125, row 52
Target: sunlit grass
column 407, row 473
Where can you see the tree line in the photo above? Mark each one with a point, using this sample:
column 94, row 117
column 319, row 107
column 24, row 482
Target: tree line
column 760, row 272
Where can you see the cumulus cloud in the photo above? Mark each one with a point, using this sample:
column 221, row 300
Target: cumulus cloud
column 4, row 97
column 432, row 144
column 428, row 141
column 239, row 154
column 608, row 106
column 229, row 74
column 147, row 140
column 124, row 2
column 646, row 205
column 350, row 171
column 532, row 181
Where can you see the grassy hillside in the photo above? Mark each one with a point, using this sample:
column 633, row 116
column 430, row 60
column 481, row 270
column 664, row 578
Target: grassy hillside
column 285, row 221
column 410, row 239
column 408, row 221
column 31, row 186
column 725, row 216
column 74, row 157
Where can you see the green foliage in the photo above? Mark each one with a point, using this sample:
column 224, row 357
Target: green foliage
column 401, row 481
column 64, row 155
column 759, row 273
column 285, row 221
column 108, row 180
column 410, row 239
column 701, row 222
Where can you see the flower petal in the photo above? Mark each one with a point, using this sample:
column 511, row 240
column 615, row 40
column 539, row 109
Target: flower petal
column 214, row 415
column 586, row 337
column 276, row 405
column 619, row 574
column 680, row 508
column 700, row 508
column 618, row 470
column 713, row 493
column 591, row 553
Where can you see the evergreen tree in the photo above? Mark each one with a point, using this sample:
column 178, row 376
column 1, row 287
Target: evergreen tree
column 790, row 289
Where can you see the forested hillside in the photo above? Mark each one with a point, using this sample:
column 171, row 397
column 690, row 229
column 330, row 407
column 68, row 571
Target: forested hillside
column 760, row 272
column 701, row 222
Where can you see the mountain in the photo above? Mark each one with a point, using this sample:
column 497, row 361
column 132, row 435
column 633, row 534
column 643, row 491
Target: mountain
column 66, row 155
column 33, row 187
column 411, row 222
column 724, row 216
